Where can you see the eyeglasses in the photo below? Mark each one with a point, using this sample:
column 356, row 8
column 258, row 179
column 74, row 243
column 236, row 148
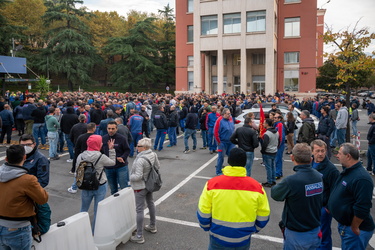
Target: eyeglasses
column 139, row 146
column 27, row 144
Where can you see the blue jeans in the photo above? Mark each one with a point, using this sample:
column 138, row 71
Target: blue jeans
column 53, row 139
column 70, row 146
column 38, row 131
column 117, row 176
column 350, row 241
column 88, row 195
column 269, row 162
column 19, row 239
column 249, row 162
column 325, row 224
column 159, row 140
column 224, row 149
column 172, row 136
column 204, row 134
column 341, row 133
column 334, row 137
column 354, row 127
column 370, row 157
column 182, row 124
column 136, row 138
column 302, row 240
column 60, row 147
column 214, row 245
column 193, row 133
column 211, row 139
column 279, row 160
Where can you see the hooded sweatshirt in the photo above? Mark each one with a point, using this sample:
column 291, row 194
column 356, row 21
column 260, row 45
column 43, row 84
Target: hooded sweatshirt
column 52, row 124
column 19, row 191
column 342, row 118
column 270, row 142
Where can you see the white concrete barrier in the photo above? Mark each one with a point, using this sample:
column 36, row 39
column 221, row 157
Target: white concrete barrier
column 72, row 233
column 115, row 220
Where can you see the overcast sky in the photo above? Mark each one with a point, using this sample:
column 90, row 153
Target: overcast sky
column 340, row 13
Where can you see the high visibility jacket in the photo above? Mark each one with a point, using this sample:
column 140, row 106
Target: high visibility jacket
column 232, row 206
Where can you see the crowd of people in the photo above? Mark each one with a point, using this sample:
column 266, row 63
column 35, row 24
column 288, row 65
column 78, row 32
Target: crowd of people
column 108, row 128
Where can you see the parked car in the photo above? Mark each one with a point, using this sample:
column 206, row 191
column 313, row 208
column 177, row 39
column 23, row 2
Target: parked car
column 256, row 111
column 364, row 93
column 269, row 105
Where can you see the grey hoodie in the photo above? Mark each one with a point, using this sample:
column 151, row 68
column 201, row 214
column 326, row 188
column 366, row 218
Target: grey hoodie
column 8, row 172
column 342, row 118
column 92, row 156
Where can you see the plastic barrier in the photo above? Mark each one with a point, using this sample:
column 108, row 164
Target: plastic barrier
column 72, row 233
column 115, row 220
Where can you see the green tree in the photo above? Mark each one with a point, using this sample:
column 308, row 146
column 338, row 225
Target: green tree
column 7, row 30
column 327, row 76
column 137, row 66
column 69, row 50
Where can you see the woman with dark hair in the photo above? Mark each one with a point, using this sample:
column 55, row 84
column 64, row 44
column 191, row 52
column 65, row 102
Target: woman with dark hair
column 290, row 127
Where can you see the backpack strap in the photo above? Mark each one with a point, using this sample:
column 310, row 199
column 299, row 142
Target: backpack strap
column 101, row 173
column 152, row 165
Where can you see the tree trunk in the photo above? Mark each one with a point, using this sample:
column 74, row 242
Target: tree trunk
column 347, row 89
column 70, row 85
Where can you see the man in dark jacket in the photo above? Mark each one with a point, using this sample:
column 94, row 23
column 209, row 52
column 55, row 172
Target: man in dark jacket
column 325, row 128
column 39, row 115
column 246, row 138
column 119, row 173
column 123, row 130
column 26, row 113
column 68, row 120
column 190, row 125
column 303, row 196
column 161, row 124
column 371, row 144
column 351, row 200
column 7, row 123
column 182, row 115
column 172, row 126
column 96, row 116
column 78, row 129
column 146, row 119
column 306, row 133
column 329, row 173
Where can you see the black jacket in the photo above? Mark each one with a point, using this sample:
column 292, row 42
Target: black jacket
column 38, row 115
column 326, row 126
column 290, row 127
column 202, row 121
column 96, row 116
column 191, row 121
column 183, row 113
column 121, row 147
column 246, row 138
column 160, row 120
column 173, row 119
column 77, row 130
column 68, row 120
column 371, row 134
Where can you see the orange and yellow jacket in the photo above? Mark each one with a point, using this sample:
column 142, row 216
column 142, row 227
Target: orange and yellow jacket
column 233, row 206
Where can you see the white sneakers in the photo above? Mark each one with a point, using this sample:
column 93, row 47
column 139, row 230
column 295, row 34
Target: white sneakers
column 72, row 191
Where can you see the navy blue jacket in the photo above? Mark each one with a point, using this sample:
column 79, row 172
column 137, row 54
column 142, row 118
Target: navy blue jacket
column 326, row 126
column 27, row 109
column 121, row 147
column 371, row 134
column 330, row 174
column 191, row 121
column 352, row 196
column 38, row 165
column 303, row 195
column 7, row 117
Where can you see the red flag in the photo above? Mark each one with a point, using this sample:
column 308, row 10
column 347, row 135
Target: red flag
column 262, row 130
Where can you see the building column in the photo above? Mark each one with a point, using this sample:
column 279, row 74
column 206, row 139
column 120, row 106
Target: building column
column 207, row 74
column 220, row 71
column 270, row 86
column 243, row 70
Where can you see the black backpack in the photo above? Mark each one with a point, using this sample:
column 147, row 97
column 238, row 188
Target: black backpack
column 86, row 175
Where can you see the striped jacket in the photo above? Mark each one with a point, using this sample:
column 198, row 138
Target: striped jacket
column 233, row 206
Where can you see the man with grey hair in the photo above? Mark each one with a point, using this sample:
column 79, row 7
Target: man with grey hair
column 303, row 196
column 351, row 200
column 123, row 130
column 371, row 144
column 306, row 133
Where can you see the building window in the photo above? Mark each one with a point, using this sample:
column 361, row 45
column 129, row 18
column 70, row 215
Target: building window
column 190, row 38
column 292, row 26
column 232, row 23
column 236, row 59
column 209, row 25
column 291, row 57
column 190, row 80
column 213, row 60
column 292, row 1
column 190, row 6
column 190, row 61
column 259, row 84
column 225, row 59
column 291, row 80
column 259, row 58
column 256, row 21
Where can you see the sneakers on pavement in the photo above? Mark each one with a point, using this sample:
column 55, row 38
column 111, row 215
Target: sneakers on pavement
column 151, row 229
column 194, row 149
column 72, row 191
column 137, row 239
column 204, row 148
column 266, row 184
column 70, row 172
column 186, row 151
column 69, row 160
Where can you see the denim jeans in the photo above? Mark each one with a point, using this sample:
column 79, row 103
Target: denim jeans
column 325, row 224
column 70, row 146
column 204, row 134
column 214, row 245
column 193, row 133
column 341, row 133
column 159, row 140
column 350, row 241
column 88, row 195
column 116, row 177
column 224, row 149
column 334, row 137
column 172, row 136
column 19, row 239
column 370, row 157
column 38, row 131
column 136, row 138
column 302, row 240
column 354, row 127
column 211, row 139
column 60, row 147
column 269, row 162
column 53, row 139
column 142, row 196
column 249, row 162
column 182, row 124
column 279, row 159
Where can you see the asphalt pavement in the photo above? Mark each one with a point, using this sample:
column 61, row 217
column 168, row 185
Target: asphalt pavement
column 184, row 176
